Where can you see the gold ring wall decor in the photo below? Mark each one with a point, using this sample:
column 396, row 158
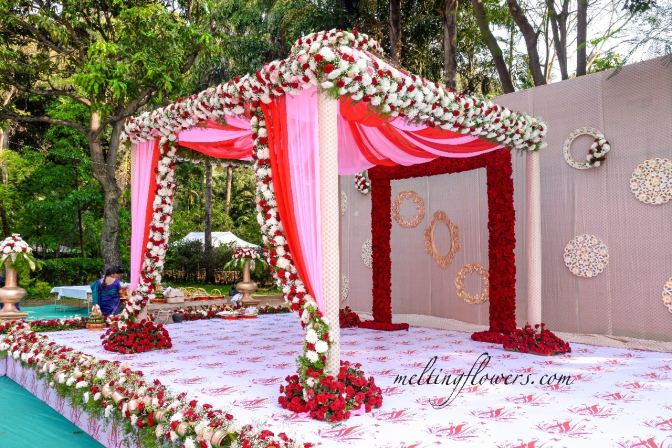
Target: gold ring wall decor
column 419, row 203
column 485, row 284
column 430, row 247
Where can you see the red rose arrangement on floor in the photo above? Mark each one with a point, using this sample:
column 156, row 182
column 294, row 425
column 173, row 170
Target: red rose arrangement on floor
column 45, row 325
column 348, row 318
column 135, row 337
column 333, row 399
column 537, row 340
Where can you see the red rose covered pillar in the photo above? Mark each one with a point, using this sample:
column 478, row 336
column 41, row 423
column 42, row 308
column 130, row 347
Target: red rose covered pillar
column 329, row 220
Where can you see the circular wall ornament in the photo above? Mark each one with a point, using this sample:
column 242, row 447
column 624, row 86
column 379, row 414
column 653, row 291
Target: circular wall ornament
column 596, row 154
column 586, row 256
column 485, row 283
column 345, row 288
column 419, row 203
column 430, row 247
column 651, row 182
column 667, row 295
column 367, row 257
column 344, row 203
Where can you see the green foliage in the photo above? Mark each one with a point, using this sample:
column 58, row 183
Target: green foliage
column 189, row 256
column 605, row 61
column 70, row 271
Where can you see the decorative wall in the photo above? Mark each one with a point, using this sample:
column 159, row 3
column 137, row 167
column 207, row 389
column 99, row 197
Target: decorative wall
column 633, row 109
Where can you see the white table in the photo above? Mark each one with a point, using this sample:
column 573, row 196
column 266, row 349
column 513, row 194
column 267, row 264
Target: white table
column 73, row 292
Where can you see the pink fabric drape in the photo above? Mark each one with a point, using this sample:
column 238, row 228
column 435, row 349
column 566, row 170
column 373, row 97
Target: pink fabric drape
column 304, row 165
column 142, row 171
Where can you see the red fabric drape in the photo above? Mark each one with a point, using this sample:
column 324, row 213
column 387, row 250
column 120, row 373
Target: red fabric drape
column 276, row 127
column 229, row 149
column 383, row 143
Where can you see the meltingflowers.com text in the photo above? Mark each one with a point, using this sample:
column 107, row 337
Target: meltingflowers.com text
column 431, row 376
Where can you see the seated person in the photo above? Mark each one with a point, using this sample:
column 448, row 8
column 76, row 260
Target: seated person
column 236, row 297
column 107, row 292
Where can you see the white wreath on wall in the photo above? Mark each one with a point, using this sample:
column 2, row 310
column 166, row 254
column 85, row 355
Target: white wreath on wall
column 596, row 154
column 667, row 295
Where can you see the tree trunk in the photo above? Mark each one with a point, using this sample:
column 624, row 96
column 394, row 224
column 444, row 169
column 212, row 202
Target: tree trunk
column 559, row 28
column 581, row 32
column 4, row 180
column 80, row 225
column 109, row 239
column 395, row 30
column 493, row 46
column 229, row 184
column 531, row 38
column 209, row 272
column 450, row 42
column 104, row 170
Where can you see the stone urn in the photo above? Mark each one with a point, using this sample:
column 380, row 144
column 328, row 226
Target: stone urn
column 247, row 286
column 10, row 295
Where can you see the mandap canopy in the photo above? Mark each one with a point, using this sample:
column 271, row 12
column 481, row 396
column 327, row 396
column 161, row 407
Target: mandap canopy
column 334, row 106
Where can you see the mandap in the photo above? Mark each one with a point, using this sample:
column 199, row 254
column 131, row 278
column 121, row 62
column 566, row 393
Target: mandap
column 334, row 107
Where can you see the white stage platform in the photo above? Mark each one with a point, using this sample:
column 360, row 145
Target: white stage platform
column 619, row 398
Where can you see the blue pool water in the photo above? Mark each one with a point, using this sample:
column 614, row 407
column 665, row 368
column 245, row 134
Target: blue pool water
column 25, row 421
column 53, row 312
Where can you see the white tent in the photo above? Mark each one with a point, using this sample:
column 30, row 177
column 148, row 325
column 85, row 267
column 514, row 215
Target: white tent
column 218, row 239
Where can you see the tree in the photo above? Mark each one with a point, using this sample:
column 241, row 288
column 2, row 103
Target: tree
column 207, row 246
column 395, row 30
column 111, row 56
column 581, row 34
column 559, row 28
column 531, row 37
column 493, row 46
column 450, row 10
column 229, row 183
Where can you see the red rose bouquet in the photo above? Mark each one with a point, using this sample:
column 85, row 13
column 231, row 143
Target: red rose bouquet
column 537, row 340
column 348, row 318
column 136, row 337
column 332, row 399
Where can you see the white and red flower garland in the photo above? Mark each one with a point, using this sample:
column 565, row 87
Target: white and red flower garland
column 121, row 393
column 362, row 182
column 340, row 62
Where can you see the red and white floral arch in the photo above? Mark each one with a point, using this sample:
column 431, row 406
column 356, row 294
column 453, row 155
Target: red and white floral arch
column 278, row 118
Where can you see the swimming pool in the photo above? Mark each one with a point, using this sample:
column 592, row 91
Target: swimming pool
column 26, row 421
column 53, row 312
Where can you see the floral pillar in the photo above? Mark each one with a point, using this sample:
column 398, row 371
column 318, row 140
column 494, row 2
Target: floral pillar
column 329, row 219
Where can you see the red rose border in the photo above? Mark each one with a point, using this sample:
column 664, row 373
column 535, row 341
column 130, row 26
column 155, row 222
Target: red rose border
column 501, row 243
